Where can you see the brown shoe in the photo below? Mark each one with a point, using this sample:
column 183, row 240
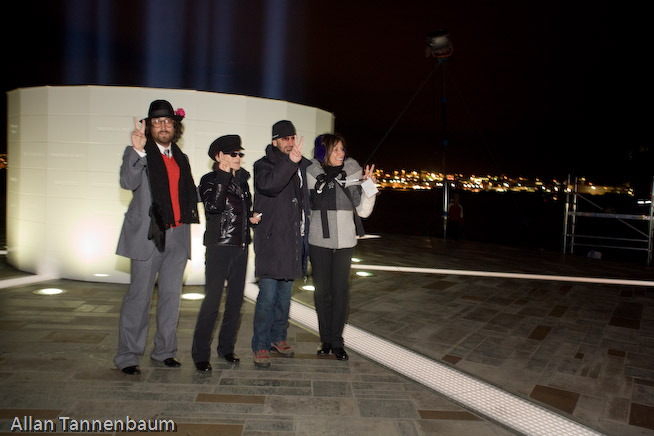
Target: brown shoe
column 282, row 348
column 262, row 359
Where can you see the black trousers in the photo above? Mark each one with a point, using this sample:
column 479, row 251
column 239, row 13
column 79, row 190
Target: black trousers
column 221, row 263
column 331, row 273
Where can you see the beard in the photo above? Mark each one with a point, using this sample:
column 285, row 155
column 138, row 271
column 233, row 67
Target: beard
column 163, row 137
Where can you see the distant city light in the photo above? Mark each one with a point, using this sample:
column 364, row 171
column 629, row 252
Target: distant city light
column 405, row 180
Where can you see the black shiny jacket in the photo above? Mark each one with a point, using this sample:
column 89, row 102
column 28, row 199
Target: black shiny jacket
column 227, row 206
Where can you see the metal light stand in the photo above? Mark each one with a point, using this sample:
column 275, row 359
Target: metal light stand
column 446, row 190
column 439, row 47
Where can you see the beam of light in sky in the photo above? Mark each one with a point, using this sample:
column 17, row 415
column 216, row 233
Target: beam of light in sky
column 223, row 18
column 201, row 45
column 104, row 25
column 275, row 48
column 75, row 42
column 164, row 33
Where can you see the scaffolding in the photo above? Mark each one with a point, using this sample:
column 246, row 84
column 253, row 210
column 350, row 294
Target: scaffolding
column 572, row 239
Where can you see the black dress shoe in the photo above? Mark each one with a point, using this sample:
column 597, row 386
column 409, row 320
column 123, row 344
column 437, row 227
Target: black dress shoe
column 324, row 349
column 340, row 353
column 171, row 362
column 131, row 370
column 203, row 366
column 231, row 358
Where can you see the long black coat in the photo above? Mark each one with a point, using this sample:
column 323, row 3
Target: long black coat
column 280, row 249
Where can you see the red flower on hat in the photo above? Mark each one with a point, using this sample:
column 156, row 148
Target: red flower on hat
column 180, row 112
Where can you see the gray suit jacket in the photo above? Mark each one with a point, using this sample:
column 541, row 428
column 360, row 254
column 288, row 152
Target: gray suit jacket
column 133, row 242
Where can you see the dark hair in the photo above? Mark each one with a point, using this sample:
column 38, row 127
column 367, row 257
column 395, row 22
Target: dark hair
column 177, row 125
column 329, row 141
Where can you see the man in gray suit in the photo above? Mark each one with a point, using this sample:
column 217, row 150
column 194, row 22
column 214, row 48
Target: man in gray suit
column 156, row 234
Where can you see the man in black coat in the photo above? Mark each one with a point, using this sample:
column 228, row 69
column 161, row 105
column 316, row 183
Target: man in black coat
column 282, row 197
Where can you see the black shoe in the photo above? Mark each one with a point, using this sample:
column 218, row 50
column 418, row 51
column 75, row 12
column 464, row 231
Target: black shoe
column 340, row 353
column 131, row 370
column 324, row 349
column 231, row 357
column 171, row 362
column 203, row 366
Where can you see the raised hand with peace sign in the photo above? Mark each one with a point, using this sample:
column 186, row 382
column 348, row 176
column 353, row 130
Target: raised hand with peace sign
column 138, row 135
column 296, row 151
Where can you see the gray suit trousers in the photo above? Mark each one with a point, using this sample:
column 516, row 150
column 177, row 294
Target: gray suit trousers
column 135, row 311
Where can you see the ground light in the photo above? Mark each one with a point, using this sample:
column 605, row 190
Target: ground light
column 49, row 291
column 308, row 288
column 192, row 296
column 364, row 274
column 368, row 236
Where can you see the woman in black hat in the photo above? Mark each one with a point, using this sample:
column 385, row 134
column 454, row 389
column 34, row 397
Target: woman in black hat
column 227, row 203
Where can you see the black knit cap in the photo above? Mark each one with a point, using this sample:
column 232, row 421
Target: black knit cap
column 282, row 129
column 226, row 144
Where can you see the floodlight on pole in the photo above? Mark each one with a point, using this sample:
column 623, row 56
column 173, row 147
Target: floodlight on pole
column 439, row 48
column 439, row 45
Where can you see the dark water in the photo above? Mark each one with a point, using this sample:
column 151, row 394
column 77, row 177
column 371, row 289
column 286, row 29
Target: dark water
column 528, row 220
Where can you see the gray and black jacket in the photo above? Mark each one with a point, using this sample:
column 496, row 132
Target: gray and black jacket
column 332, row 206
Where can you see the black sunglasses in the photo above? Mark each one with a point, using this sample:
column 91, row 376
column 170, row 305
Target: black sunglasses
column 237, row 153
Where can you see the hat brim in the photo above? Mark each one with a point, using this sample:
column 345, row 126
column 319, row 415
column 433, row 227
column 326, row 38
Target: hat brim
column 177, row 118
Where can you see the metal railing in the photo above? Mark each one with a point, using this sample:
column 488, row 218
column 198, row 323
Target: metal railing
column 571, row 238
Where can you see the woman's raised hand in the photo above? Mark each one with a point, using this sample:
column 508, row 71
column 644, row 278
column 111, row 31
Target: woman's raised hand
column 369, row 173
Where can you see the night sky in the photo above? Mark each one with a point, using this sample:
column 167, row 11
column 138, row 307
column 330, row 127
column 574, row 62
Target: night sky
column 533, row 88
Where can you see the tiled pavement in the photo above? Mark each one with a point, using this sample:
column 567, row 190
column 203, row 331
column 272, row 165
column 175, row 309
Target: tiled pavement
column 584, row 350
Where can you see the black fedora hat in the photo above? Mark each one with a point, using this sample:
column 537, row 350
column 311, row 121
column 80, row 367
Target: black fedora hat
column 162, row 108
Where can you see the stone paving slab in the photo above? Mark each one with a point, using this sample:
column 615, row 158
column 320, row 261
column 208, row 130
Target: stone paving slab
column 56, row 360
column 582, row 349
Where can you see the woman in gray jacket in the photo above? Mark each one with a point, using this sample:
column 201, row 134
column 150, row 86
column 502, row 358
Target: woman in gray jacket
column 337, row 203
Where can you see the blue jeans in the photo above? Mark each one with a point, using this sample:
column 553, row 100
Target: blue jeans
column 271, row 312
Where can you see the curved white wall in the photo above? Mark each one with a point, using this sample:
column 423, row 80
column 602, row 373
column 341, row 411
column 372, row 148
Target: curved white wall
column 65, row 144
